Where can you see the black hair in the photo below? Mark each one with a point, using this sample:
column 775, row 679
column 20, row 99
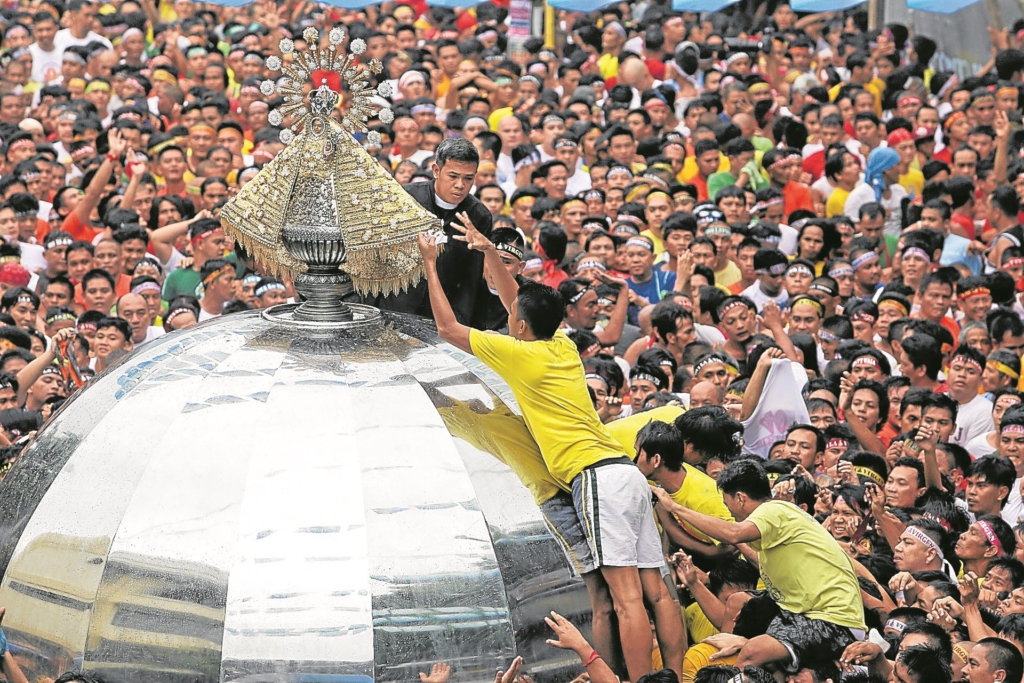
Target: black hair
column 713, row 434
column 98, row 273
column 733, row 571
column 540, row 306
column 914, row 464
column 1003, row 531
column 933, row 631
column 924, row 350
column 926, row 664
column 819, row 438
column 997, row 471
column 745, row 476
column 119, row 324
column 1001, row 654
column 459, row 150
column 880, row 393
column 662, row 438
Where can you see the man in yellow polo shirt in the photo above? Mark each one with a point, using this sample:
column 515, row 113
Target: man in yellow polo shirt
column 543, row 368
column 807, row 574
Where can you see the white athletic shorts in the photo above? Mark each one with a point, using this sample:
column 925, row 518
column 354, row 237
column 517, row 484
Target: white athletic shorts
column 613, row 501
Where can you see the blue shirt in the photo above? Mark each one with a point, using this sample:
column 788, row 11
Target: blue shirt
column 660, row 284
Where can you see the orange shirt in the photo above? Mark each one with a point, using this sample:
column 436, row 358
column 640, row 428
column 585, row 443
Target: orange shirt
column 797, row 196
column 124, row 286
column 83, row 233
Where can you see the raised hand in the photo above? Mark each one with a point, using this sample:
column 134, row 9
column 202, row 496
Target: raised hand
column 116, row 142
column 512, row 674
column 772, row 316
column 567, row 636
column 439, row 673
column 473, row 238
column 683, row 565
column 428, row 246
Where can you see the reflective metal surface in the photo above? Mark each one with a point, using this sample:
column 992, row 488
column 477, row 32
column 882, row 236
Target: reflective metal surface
column 245, row 500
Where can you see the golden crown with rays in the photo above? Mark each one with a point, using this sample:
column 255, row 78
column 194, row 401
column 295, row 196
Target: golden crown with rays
column 324, row 181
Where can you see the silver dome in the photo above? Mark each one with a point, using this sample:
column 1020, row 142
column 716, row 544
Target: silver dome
column 248, row 500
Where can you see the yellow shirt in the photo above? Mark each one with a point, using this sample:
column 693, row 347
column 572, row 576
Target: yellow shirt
column 690, row 169
column 700, row 493
column 913, row 181
column 547, row 379
column 803, row 567
column 609, row 66
column 503, row 435
column 624, row 431
column 659, row 245
column 729, row 275
column 836, row 202
column 697, row 624
column 698, row 657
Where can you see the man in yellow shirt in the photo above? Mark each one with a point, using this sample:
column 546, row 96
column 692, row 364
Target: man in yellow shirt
column 659, row 449
column 806, row 572
column 612, row 499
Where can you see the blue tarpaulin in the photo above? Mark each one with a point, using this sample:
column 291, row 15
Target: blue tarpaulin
column 939, row 6
column 580, row 5
column 823, row 5
column 701, row 5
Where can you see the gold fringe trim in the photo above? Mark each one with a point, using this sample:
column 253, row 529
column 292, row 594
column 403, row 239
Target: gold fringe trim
column 388, row 269
column 274, row 260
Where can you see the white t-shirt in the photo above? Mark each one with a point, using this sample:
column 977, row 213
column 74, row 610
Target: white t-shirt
column 153, row 332
column 823, row 186
column 418, row 157
column 578, row 182
column 978, row 447
column 203, row 315
column 757, row 295
column 45, row 65
column 973, row 419
column 1014, row 509
column 63, row 40
column 864, row 194
column 788, row 241
column 506, row 169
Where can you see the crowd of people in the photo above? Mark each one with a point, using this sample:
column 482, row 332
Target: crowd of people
column 757, row 279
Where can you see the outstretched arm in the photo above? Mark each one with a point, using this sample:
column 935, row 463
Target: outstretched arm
column 718, row 529
column 448, row 327
column 508, row 288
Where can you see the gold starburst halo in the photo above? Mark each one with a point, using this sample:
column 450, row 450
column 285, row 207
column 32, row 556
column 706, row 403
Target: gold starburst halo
column 326, row 69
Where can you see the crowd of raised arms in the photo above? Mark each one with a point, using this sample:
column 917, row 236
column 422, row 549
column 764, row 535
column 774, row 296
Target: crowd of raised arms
column 775, row 259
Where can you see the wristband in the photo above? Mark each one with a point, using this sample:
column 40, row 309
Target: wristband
column 111, row 157
column 594, row 656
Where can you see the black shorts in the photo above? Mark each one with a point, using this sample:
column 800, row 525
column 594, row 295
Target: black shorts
column 811, row 642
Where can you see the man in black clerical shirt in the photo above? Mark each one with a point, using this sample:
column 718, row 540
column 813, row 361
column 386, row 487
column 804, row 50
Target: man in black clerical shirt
column 459, row 269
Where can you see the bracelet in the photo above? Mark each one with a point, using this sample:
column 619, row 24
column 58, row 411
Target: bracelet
column 111, row 157
column 593, row 657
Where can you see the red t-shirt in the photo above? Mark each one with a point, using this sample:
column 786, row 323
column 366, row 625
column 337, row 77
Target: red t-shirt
column 815, row 164
column 964, row 222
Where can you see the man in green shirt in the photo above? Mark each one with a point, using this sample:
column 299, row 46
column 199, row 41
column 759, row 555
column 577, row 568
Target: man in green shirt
column 808, row 576
column 742, row 171
column 207, row 239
